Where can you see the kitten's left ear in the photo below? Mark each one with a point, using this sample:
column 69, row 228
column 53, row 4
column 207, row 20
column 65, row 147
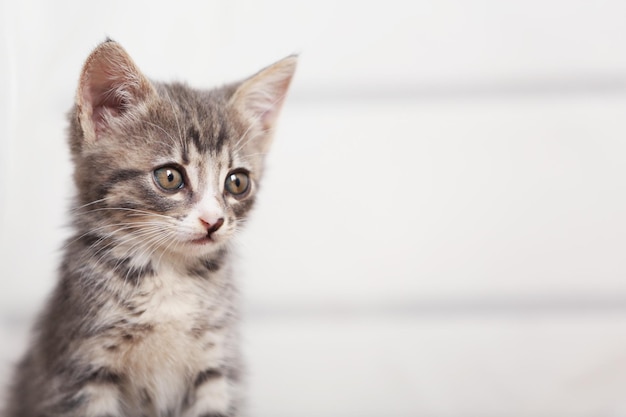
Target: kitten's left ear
column 110, row 88
column 260, row 98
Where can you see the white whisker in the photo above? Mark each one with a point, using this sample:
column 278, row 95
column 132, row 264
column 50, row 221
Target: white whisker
column 91, row 203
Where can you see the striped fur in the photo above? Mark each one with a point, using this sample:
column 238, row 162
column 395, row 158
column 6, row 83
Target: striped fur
column 143, row 320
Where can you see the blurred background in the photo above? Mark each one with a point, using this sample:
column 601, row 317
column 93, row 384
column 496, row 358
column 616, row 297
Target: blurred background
column 442, row 229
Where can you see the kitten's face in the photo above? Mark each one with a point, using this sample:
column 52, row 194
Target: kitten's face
column 180, row 178
column 163, row 169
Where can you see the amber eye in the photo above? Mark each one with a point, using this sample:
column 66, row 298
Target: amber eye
column 237, row 183
column 168, row 178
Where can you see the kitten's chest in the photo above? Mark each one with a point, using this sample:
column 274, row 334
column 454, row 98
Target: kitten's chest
column 169, row 300
column 168, row 331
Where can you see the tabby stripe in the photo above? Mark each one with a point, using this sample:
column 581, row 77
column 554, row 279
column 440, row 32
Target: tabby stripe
column 222, row 136
column 207, row 375
column 211, row 265
column 124, row 175
column 130, row 273
column 185, row 153
column 104, row 376
column 207, row 266
column 121, row 175
column 69, row 403
column 242, row 207
column 153, row 201
column 194, row 135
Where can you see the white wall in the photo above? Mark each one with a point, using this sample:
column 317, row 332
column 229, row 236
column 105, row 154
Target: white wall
column 445, row 202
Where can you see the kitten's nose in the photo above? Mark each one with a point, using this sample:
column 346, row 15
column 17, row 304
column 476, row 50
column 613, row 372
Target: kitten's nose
column 212, row 228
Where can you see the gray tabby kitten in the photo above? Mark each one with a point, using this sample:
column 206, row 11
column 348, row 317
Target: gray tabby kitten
column 142, row 322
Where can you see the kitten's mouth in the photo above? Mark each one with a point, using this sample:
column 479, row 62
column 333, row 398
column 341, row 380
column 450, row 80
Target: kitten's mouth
column 208, row 239
column 205, row 240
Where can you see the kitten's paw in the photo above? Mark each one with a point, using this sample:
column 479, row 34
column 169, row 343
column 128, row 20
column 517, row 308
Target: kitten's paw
column 211, row 395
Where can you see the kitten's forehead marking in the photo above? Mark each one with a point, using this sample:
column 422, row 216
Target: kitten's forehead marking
column 206, row 172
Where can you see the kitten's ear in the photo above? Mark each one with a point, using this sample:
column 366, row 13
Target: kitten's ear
column 110, row 86
column 260, row 98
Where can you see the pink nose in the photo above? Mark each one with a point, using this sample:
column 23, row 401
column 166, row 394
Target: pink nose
column 212, row 228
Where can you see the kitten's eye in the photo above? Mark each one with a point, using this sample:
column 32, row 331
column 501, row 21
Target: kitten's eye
column 169, row 179
column 237, row 183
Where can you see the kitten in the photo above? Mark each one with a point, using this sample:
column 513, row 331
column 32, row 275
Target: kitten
column 143, row 320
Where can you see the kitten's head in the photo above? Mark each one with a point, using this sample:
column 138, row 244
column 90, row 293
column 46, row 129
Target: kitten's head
column 163, row 168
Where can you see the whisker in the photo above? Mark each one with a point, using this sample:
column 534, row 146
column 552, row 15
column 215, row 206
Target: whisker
column 144, row 212
column 117, row 241
column 89, row 204
column 169, row 135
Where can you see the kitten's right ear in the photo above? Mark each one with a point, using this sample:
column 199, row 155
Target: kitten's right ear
column 110, row 86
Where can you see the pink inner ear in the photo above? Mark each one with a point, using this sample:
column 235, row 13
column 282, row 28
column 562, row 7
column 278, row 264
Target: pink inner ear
column 265, row 107
column 263, row 94
column 106, row 95
column 107, row 103
column 110, row 85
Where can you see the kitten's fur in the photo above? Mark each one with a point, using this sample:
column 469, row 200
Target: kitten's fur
column 142, row 322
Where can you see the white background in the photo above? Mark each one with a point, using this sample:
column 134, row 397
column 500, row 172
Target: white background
column 442, row 228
